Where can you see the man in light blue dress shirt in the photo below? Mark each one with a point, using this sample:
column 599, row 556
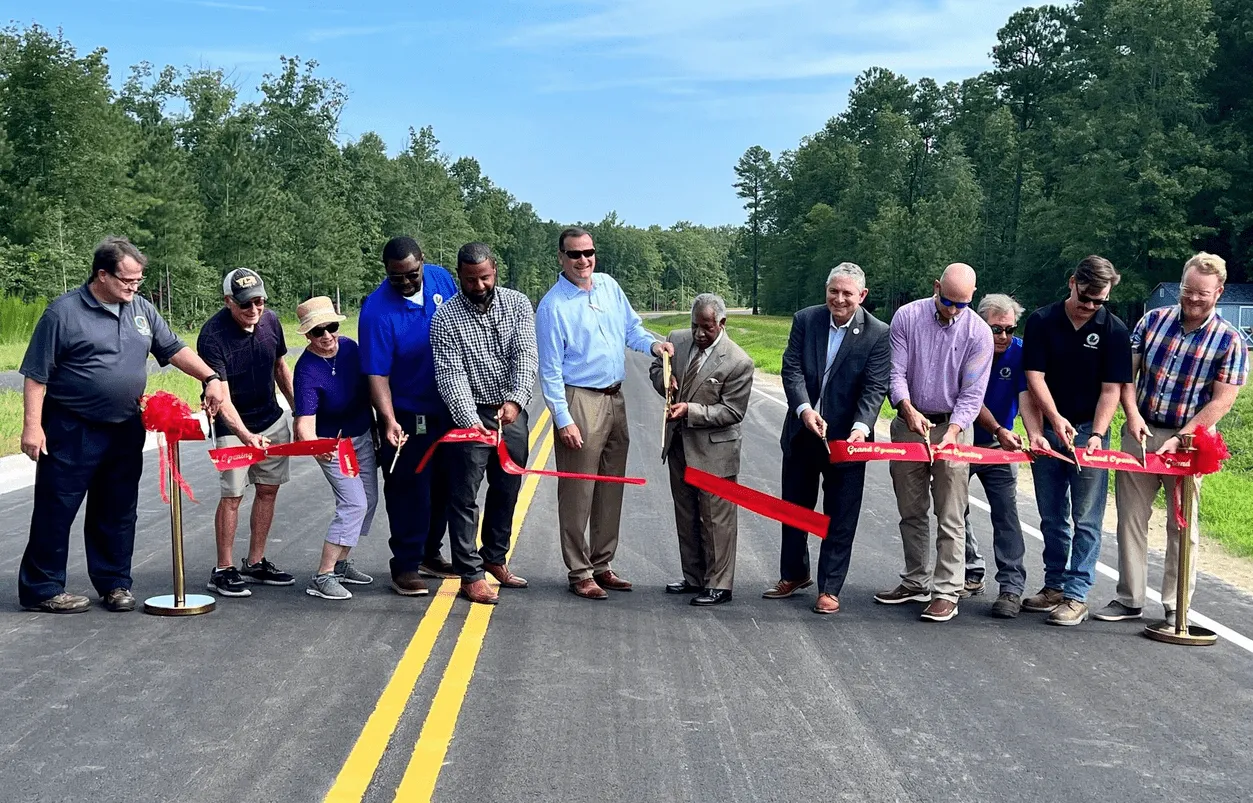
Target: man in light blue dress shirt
column 582, row 326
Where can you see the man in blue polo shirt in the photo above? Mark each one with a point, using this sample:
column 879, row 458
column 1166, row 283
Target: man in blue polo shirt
column 994, row 428
column 396, row 355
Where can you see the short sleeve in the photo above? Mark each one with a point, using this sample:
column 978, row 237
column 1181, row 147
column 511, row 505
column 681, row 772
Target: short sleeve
column 376, row 341
column 1138, row 335
column 1033, row 346
column 41, row 354
column 209, row 347
column 1234, row 367
column 1117, row 367
column 165, row 344
column 306, row 389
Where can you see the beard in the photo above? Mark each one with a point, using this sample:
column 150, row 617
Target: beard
column 481, row 299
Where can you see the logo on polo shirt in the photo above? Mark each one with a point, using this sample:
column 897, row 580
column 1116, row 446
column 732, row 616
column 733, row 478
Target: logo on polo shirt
column 1006, row 373
column 1093, row 340
column 438, row 299
column 141, row 323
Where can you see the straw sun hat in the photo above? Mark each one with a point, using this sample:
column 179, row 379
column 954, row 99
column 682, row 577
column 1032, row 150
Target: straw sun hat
column 317, row 311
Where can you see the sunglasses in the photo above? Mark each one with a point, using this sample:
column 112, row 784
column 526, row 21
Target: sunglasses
column 256, row 302
column 948, row 302
column 588, row 252
column 413, row 276
column 1004, row 330
column 1096, row 302
column 318, row 331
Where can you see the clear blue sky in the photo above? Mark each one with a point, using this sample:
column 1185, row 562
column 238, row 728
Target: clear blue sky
column 579, row 106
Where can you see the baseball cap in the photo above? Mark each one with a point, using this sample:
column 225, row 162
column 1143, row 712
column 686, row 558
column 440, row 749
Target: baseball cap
column 243, row 284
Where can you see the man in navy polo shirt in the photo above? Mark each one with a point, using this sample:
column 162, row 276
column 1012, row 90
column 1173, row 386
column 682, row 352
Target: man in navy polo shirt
column 85, row 369
column 1077, row 356
column 396, row 355
column 994, row 428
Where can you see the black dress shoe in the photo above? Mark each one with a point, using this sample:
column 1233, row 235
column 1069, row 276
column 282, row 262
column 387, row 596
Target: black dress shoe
column 712, row 596
column 682, row 587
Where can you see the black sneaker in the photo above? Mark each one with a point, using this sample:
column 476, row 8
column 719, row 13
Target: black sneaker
column 228, row 583
column 265, row 572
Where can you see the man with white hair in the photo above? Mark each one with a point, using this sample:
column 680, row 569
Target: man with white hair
column 1190, row 364
column 994, row 428
column 941, row 360
column 710, row 388
column 835, row 375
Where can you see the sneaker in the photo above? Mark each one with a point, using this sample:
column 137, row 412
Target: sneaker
column 228, row 583
column 1171, row 622
column 1116, row 612
column 437, row 568
column 1069, row 613
column 347, row 573
column 972, row 588
column 902, row 594
column 327, row 586
column 1006, row 606
column 61, row 603
column 119, row 600
column 1045, row 601
column 940, row 610
column 266, row 573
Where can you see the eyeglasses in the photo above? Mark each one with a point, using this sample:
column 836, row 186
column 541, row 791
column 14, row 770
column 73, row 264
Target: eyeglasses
column 1197, row 295
column 587, row 252
column 413, row 276
column 256, row 302
column 318, row 331
column 1004, row 330
column 1096, row 302
column 131, row 283
column 948, row 302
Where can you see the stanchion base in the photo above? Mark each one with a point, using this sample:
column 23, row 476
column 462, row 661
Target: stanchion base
column 1167, row 634
column 193, row 604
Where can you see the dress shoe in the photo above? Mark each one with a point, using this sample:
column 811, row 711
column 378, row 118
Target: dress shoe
column 786, row 588
column 437, row 568
column 682, row 587
column 506, row 578
column 119, row 600
column 607, row 579
column 587, row 589
column 940, row 610
column 712, row 596
column 479, row 591
column 827, row 603
column 409, row 584
column 61, row 603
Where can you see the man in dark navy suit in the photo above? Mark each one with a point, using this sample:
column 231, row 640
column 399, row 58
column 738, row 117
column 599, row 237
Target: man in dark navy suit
column 835, row 374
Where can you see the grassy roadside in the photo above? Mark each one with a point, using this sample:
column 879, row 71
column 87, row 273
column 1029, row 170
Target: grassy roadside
column 1227, row 497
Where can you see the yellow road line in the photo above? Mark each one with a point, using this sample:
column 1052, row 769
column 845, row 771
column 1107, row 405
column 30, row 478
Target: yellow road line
column 418, row 783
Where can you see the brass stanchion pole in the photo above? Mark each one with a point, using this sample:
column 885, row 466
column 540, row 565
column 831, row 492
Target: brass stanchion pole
column 178, row 603
column 1181, row 632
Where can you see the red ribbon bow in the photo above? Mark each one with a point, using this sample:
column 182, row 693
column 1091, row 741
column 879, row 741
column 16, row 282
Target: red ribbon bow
column 172, row 419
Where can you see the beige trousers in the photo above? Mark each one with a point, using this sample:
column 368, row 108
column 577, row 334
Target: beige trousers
column 1134, row 495
column 917, row 485
column 590, row 513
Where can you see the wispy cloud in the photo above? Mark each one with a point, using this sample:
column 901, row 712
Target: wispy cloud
column 220, row 4
column 324, row 34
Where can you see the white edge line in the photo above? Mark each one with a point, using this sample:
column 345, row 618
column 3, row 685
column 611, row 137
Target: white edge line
column 1201, row 619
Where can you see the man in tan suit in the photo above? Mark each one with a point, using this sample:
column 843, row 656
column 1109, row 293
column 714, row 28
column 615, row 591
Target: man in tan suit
column 712, row 381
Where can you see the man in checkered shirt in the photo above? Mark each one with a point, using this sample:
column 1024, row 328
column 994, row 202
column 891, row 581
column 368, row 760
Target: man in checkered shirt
column 485, row 366
column 1191, row 364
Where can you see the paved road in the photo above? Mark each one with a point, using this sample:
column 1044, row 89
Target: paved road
column 282, row 697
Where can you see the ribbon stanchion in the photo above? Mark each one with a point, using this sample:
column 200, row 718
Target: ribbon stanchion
column 789, row 513
column 492, row 438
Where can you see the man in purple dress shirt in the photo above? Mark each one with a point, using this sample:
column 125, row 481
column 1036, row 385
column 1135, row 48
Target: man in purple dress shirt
column 941, row 361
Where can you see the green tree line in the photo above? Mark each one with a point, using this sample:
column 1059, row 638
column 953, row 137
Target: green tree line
column 1117, row 127
column 203, row 182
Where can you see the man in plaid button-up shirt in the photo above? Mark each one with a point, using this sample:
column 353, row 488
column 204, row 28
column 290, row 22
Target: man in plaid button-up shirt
column 485, row 367
column 1191, row 364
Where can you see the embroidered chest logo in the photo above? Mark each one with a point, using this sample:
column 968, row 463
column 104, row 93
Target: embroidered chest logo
column 141, row 324
column 1006, row 373
column 438, row 299
column 1093, row 340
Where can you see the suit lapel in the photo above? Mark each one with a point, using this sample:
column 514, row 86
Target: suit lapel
column 712, row 359
column 855, row 328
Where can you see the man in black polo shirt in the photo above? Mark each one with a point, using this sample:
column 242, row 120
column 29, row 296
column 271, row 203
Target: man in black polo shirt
column 1076, row 355
column 244, row 343
column 85, row 369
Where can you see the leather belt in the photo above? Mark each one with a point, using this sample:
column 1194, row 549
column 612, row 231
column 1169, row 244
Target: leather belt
column 937, row 418
column 612, row 390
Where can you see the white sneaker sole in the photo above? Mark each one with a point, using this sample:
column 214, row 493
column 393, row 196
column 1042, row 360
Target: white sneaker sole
column 932, row 618
column 313, row 592
column 224, row 593
column 915, row 598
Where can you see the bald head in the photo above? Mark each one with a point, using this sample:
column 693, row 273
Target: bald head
column 954, row 290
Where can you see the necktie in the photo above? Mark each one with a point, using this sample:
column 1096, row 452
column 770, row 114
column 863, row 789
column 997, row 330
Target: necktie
column 693, row 370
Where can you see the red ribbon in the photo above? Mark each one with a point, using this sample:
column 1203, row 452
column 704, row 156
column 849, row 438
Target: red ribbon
column 492, row 438
column 917, row 452
column 1175, row 465
column 349, row 465
column 242, row 456
column 172, row 419
column 1210, row 452
column 789, row 513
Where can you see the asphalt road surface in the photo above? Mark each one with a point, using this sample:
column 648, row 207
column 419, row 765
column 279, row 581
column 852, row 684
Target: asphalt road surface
column 283, row 697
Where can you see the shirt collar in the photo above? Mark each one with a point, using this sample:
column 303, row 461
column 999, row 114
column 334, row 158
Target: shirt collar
column 1177, row 311
column 417, row 299
column 836, row 327
column 712, row 345
column 569, row 289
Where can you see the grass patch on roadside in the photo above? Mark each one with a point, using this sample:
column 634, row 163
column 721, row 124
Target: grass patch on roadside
column 763, row 336
column 10, row 422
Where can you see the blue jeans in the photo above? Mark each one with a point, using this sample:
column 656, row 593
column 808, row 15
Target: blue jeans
column 1000, row 484
column 1065, row 495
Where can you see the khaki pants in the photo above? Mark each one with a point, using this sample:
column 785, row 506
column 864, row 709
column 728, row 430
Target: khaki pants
column 602, row 421
column 948, row 484
column 1134, row 495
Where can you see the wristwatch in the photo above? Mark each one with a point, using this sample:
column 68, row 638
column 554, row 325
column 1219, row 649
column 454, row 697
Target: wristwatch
column 210, row 378
column 1100, row 435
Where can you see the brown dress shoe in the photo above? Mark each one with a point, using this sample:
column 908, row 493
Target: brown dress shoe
column 506, row 578
column 587, row 589
column 409, row 584
column 437, row 568
column 607, row 579
column 786, row 588
column 479, row 591
column 940, row 610
column 827, row 603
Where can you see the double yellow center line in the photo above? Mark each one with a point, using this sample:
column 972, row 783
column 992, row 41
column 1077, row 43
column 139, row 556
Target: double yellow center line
column 422, row 772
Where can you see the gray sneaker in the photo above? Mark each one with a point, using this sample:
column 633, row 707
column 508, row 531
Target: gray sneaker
column 347, row 573
column 1116, row 612
column 327, row 586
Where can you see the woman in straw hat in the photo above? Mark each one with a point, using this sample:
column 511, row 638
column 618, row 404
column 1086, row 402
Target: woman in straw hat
column 333, row 400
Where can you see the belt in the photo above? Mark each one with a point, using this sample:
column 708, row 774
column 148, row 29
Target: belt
column 937, row 418
column 612, row 390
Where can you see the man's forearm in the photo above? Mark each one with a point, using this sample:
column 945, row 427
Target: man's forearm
column 381, row 396
column 32, row 403
column 1214, row 410
column 1106, row 406
column 1041, row 397
column 988, row 421
column 189, row 362
column 283, row 378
